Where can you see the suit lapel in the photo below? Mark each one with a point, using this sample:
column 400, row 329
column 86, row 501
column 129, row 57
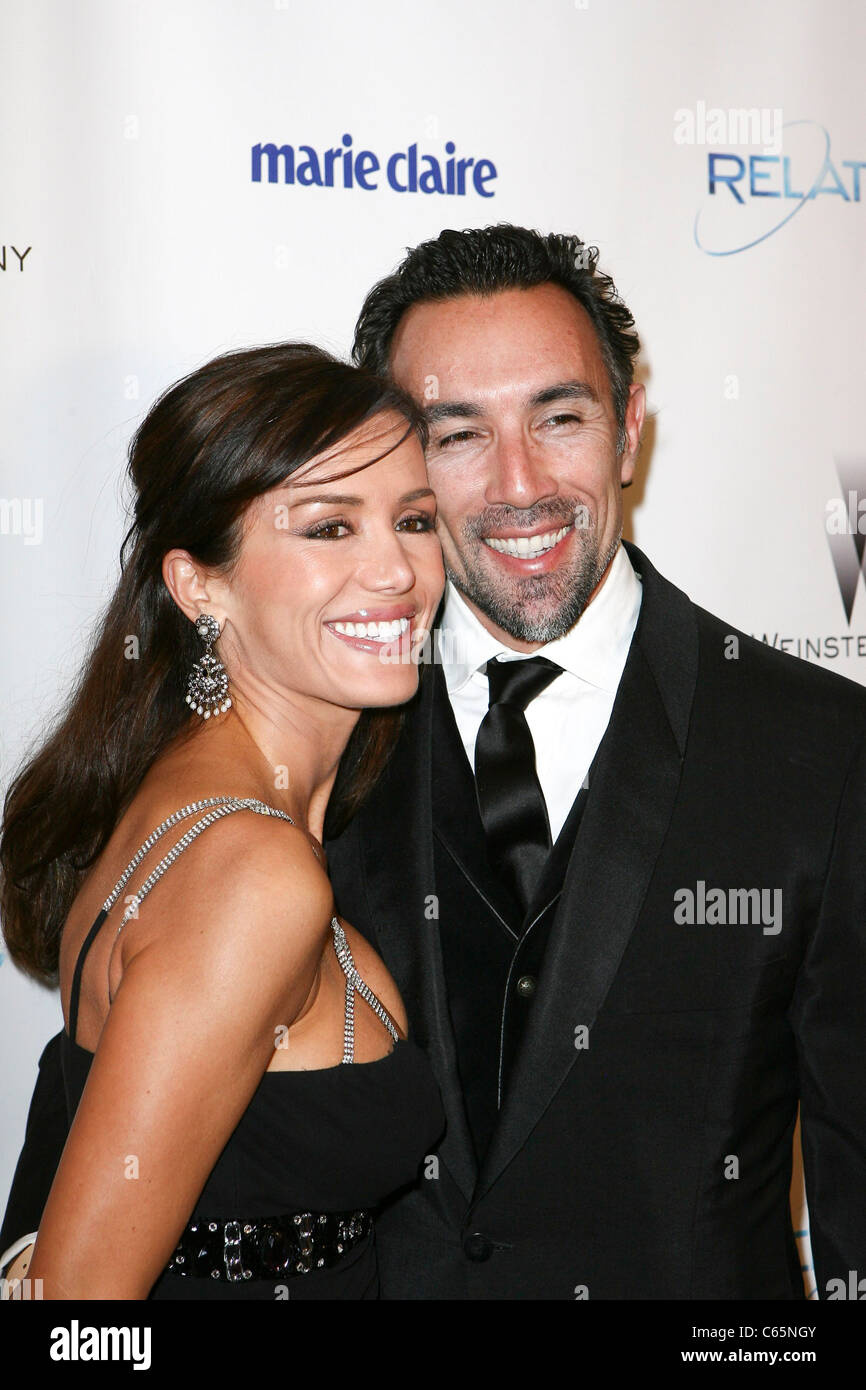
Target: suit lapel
column 628, row 809
column 397, row 853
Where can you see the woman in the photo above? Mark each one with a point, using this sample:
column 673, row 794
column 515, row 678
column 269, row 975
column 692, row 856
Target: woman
column 163, row 851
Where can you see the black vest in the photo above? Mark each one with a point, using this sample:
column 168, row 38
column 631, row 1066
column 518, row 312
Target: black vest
column 492, row 952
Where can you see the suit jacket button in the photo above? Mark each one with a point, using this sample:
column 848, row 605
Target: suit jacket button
column 526, row 986
column 477, row 1247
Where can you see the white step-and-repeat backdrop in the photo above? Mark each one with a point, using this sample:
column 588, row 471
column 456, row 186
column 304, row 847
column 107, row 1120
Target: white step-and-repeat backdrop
column 715, row 154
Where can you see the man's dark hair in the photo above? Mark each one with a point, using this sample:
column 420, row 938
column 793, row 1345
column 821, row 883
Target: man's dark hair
column 486, row 260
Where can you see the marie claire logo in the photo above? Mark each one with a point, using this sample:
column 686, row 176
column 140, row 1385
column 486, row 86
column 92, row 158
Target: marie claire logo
column 404, row 171
column 845, row 522
column 751, row 197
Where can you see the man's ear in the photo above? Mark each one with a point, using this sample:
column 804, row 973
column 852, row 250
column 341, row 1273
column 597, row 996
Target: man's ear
column 190, row 585
column 635, row 414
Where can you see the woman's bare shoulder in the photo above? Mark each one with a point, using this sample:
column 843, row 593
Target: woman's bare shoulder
column 255, row 867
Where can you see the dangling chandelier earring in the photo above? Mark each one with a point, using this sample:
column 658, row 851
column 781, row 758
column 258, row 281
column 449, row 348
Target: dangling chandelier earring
column 207, row 691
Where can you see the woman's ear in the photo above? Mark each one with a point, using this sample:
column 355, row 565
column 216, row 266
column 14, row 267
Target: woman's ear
column 188, row 583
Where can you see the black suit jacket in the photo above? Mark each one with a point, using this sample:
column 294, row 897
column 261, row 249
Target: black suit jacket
column 643, row 1144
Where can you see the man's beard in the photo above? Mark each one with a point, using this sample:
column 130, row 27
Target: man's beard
column 538, row 607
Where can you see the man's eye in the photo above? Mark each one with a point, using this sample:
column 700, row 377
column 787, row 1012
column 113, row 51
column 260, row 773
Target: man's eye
column 326, row 531
column 458, row 437
column 563, row 419
column 421, row 521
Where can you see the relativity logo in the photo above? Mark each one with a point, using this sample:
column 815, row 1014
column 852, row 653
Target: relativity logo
column 751, row 197
column 845, row 521
column 403, row 171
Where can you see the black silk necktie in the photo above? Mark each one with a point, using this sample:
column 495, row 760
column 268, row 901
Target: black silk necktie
column 510, row 798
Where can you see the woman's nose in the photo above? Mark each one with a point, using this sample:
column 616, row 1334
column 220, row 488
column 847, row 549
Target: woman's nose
column 386, row 564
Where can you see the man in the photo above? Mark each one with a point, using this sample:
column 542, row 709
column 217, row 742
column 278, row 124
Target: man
column 621, row 886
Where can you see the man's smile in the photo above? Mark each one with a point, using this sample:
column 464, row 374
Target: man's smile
column 523, row 545
column 536, row 552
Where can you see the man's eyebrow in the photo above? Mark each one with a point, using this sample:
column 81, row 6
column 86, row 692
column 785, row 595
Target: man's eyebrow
column 452, row 410
column 466, row 410
column 347, row 500
column 565, row 391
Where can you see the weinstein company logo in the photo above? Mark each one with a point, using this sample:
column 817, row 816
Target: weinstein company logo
column 20, row 257
column 845, row 527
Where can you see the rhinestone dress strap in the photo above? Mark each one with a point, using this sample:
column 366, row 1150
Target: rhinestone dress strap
column 151, row 840
column 222, row 806
column 353, row 983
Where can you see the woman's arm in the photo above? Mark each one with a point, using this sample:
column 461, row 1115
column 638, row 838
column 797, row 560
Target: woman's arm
column 44, row 1137
column 186, row 1041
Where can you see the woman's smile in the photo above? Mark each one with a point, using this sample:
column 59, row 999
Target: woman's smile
column 383, row 632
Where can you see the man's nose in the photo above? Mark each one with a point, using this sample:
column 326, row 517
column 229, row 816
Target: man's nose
column 520, row 474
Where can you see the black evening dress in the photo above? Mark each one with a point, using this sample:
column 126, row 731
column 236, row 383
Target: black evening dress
column 288, row 1210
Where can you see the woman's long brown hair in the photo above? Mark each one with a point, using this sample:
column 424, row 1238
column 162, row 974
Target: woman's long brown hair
column 213, row 442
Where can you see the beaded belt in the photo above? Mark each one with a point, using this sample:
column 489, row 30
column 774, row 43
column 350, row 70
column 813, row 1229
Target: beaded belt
column 275, row 1248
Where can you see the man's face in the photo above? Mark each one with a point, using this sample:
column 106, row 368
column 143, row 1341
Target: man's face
column 522, row 455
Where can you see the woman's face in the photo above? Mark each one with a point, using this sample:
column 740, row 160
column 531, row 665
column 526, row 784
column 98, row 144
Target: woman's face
column 335, row 581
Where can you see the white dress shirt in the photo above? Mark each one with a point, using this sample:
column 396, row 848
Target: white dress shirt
column 568, row 719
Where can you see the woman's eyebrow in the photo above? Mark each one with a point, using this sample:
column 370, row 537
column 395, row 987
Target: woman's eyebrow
column 347, row 500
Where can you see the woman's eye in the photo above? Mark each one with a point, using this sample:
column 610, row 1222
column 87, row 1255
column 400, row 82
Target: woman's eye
column 336, row 530
column 422, row 521
column 326, row 531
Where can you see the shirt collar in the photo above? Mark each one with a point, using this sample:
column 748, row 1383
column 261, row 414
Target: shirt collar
column 595, row 649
